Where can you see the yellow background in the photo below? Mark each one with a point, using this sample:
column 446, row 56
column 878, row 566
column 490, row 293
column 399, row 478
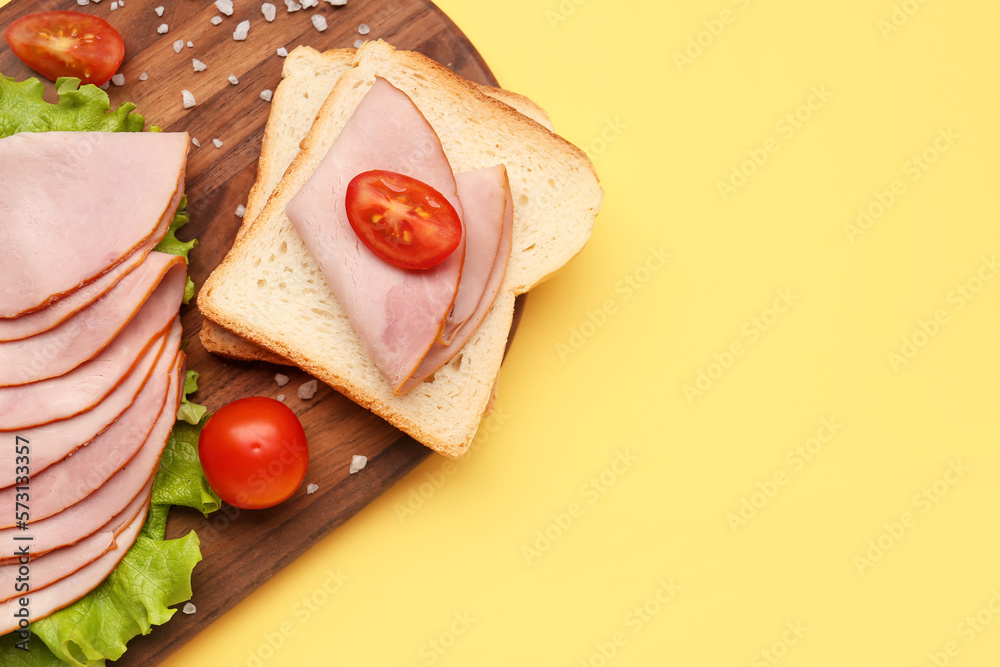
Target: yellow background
column 455, row 575
column 606, row 479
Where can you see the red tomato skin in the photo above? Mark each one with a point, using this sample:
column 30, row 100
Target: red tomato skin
column 92, row 60
column 254, row 452
column 431, row 239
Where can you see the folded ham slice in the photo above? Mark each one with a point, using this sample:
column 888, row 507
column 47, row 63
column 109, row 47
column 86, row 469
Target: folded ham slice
column 87, row 516
column 489, row 219
column 62, row 438
column 58, row 232
column 58, row 564
column 85, row 470
column 42, row 320
column 87, row 385
column 160, row 278
column 71, row 588
column 397, row 313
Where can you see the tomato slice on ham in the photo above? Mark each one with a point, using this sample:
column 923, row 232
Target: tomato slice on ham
column 402, row 220
column 56, row 44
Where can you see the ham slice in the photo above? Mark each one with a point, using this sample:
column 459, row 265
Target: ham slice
column 71, row 588
column 42, row 320
column 58, row 564
column 397, row 313
column 489, row 218
column 64, row 218
column 85, row 470
column 90, row 330
column 61, row 438
column 87, row 516
column 87, row 385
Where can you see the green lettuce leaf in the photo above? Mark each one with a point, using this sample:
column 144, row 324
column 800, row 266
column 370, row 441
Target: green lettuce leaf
column 170, row 244
column 80, row 108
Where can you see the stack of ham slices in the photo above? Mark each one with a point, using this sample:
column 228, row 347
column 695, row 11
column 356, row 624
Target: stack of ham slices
column 411, row 323
column 90, row 364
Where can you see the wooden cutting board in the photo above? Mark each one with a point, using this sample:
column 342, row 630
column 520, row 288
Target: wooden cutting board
column 244, row 549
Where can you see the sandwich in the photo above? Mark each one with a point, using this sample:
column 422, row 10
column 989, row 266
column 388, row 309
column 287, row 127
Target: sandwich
column 275, row 289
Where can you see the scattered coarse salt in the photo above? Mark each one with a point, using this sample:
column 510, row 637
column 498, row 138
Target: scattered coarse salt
column 281, row 397
column 292, row 5
column 198, row 65
column 159, row 10
column 188, row 98
column 114, row 6
column 83, row 3
column 118, row 79
column 194, row 140
column 358, row 462
column 216, row 20
column 178, row 45
column 225, row 6
column 358, row 43
column 281, row 379
column 143, row 76
column 337, row 3
column 121, row 3
column 96, row 1
column 319, row 22
column 266, row 95
column 269, row 11
column 309, row 4
column 232, row 79
column 241, row 31
column 190, row 45
column 189, row 608
column 311, row 489
column 240, row 210
column 283, row 52
column 162, row 29
column 363, row 29
column 218, row 143
column 308, row 389
column 105, row 85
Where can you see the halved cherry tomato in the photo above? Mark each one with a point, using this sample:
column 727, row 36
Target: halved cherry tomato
column 402, row 220
column 254, row 452
column 56, row 44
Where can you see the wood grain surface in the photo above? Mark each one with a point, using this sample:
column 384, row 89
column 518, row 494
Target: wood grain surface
column 244, row 549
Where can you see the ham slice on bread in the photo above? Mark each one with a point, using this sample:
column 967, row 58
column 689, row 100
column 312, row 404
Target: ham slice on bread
column 54, row 215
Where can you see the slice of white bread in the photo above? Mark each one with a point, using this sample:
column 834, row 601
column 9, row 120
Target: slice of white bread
column 269, row 290
column 308, row 76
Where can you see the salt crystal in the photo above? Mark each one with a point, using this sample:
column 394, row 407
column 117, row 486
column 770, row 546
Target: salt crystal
column 358, row 43
column 143, row 76
column 188, row 98
column 292, row 5
column 194, row 140
column 190, row 45
column 198, row 65
column 309, row 4
column 118, row 79
column 312, row 488
column 269, row 11
column 225, row 6
column 218, row 144
column 96, row 1
column 159, row 11
column 162, row 29
column 283, row 52
column 308, row 389
column 216, row 20
column 232, row 79
column 240, row 210
column 319, row 22
column 189, row 609
column 178, row 45
column 83, row 3
column 337, row 3
column 281, row 397
column 121, row 3
column 363, row 29
column 105, row 85
column 241, row 31
column 358, row 462
column 266, row 95
column 282, row 380
column 114, row 6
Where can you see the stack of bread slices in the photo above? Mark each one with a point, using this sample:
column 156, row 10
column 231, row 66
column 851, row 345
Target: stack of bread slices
column 90, row 362
column 269, row 300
